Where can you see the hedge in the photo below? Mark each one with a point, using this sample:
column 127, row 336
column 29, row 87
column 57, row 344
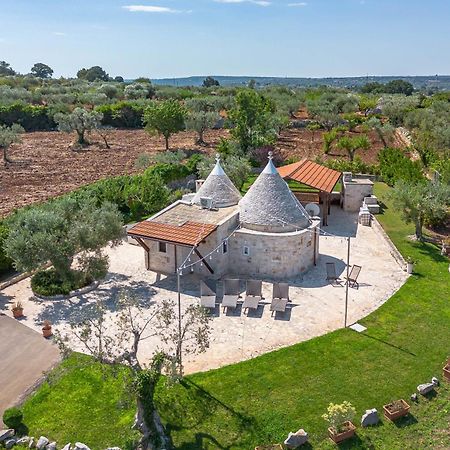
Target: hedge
column 122, row 114
column 31, row 117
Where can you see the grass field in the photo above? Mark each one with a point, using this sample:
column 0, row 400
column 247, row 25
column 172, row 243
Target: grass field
column 259, row 401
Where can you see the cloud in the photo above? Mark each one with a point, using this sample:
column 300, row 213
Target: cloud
column 255, row 2
column 151, row 9
column 298, row 4
column 59, row 33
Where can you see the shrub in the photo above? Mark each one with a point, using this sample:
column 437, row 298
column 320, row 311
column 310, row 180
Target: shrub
column 12, row 418
column 336, row 415
column 30, row 117
column 355, row 166
column 396, row 166
column 6, row 264
column 49, row 283
column 122, row 114
column 169, row 172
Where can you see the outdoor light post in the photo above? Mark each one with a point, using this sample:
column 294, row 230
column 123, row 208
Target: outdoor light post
column 179, row 320
column 346, row 284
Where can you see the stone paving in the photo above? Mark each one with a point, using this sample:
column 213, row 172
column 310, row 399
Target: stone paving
column 317, row 307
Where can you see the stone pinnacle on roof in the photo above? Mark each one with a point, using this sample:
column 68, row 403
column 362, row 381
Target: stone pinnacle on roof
column 269, row 204
column 218, row 187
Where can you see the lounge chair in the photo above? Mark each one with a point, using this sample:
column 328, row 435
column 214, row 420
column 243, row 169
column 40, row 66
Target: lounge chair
column 230, row 293
column 331, row 273
column 353, row 276
column 253, row 294
column 207, row 296
column 280, row 297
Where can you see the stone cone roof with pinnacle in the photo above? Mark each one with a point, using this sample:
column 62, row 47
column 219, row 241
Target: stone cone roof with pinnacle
column 218, row 187
column 269, row 205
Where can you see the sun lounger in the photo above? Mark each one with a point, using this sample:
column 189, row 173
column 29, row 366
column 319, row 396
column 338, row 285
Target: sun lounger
column 230, row 293
column 331, row 273
column 353, row 276
column 207, row 296
column 253, row 294
column 280, row 297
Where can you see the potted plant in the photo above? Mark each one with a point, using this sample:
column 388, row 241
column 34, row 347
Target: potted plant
column 446, row 370
column 340, row 419
column 47, row 329
column 17, row 310
column 409, row 265
column 396, row 409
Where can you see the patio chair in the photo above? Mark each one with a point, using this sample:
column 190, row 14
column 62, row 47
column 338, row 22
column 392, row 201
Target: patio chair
column 331, row 273
column 353, row 276
column 207, row 296
column 280, row 297
column 230, row 293
column 253, row 294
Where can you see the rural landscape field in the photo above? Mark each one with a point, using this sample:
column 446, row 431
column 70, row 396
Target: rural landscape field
column 202, row 262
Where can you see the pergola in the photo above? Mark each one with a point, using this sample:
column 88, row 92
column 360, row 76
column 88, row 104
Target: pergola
column 316, row 176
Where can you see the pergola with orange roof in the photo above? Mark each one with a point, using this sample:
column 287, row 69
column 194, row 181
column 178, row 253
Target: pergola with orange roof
column 315, row 176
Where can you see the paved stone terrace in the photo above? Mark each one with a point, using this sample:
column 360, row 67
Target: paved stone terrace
column 317, row 307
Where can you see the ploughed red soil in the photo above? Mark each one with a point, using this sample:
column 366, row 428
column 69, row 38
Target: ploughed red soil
column 45, row 166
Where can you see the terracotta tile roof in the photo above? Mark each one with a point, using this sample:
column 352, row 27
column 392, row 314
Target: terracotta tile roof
column 311, row 174
column 189, row 233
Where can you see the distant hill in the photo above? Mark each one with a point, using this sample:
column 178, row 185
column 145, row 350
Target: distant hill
column 440, row 82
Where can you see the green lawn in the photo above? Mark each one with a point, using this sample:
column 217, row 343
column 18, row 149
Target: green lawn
column 83, row 402
column 261, row 400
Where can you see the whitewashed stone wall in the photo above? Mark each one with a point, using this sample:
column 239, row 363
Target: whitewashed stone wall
column 354, row 192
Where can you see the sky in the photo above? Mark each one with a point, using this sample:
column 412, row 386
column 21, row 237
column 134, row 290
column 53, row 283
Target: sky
column 175, row 38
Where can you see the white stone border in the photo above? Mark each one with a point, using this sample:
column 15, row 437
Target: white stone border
column 81, row 291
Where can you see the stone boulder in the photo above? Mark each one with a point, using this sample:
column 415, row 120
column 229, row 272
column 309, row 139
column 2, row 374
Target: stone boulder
column 81, row 446
column 6, row 434
column 42, row 442
column 113, row 448
column 370, row 417
column 425, row 388
column 32, row 444
column 10, row 443
column 435, row 381
column 296, row 439
column 51, row 446
column 67, row 446
column 23, row 441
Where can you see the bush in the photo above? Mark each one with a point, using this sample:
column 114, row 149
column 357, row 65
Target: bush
column 12, row 418
column 48, row 283
column 396, row 166
column 122, row 114
column 169, row 172
column 6, row 264
column 355, row 166
column 30, row 117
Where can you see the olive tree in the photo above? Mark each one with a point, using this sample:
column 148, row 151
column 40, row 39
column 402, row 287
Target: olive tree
column 421, row 202
column 81, row 121
column 8, row 136
column 385, row 131
column 115, row 339
column 165, row 118
column 58, row 231
column 200, row 122
column 352, row 145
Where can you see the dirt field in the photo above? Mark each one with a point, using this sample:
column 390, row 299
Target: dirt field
column 45, row 166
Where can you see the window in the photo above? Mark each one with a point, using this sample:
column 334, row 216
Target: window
column 162, row 246
column 246, row 251
column 224, row 247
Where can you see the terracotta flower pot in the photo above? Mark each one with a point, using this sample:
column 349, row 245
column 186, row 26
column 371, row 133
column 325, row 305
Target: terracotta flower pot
column 17, row 313
column 446, row 371
column 347, row 434
column 393, row 414
column 47, row 332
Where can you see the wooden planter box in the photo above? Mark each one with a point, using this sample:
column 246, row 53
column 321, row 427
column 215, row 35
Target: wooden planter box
column 396, row 414
column 339, row 437
column 446, row 371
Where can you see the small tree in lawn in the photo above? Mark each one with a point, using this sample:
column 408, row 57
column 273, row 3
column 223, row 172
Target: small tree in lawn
column 352, row 145
column 8, row 136
column 81, row 121
column 165, row 118
column 200, row 122
column 421, row 202
column 116, row 339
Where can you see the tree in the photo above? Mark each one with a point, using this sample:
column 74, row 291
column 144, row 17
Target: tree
column 313, row 127
column 117, row 341
column 109, row 89
column 200, row 122
column 251, row 117
column 367, row 102
column 41, row 70
column 8, row 136
column 421, row 202
column 329, row 137
column 60, row 230
column 80, row 121
column 210, row 82
column 139, row 90
column 352, row 145
column 119, row 79
column 399, row 87
column 95, row 73
column 6, row 69
column 395, row 165
column 385, row 131
column 165, row 118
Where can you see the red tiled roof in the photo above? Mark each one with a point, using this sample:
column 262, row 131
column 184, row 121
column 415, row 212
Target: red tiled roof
column 311, row 174
column 190, row 233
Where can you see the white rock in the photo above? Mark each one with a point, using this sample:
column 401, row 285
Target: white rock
column 113, row 448
column 10, row 443
column 51, row 446
column 67, row 446
column 80, row 446
column 23, row 440
column 32, row 443
column 42, row 442
column 6, row 434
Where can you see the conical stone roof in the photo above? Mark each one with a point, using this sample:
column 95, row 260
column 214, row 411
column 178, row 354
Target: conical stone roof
column 218, row 187
column 269, row 205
